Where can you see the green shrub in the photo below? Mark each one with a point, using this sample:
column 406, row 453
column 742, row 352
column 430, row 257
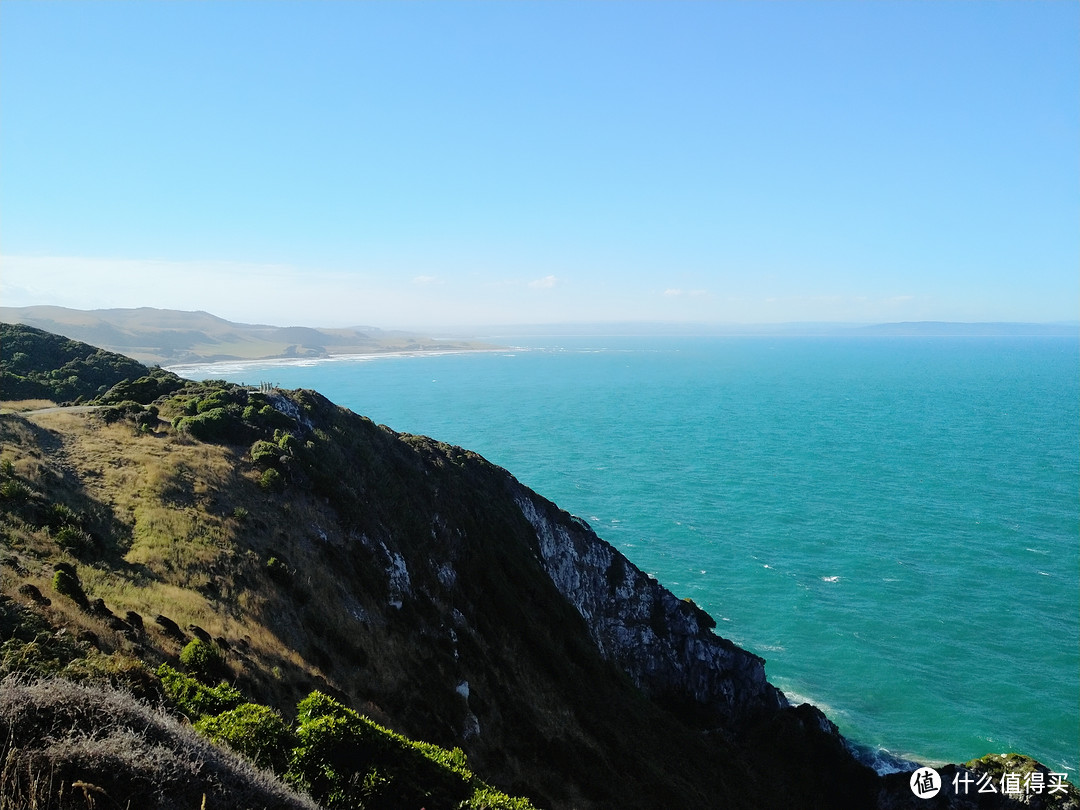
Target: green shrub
column 196, row 699
column 345, row 760
column 270, row 418
column 203, row 660
column 143, row 390
column 486, row 798
column 218, row 399
column 14, row 490
column 60, row 514
column 214, row 425
column 271, row 480
column 265, row 453
column 74, row 540
column 147, row 420
column 258, row 732
column 121, row 410
column 66, row 583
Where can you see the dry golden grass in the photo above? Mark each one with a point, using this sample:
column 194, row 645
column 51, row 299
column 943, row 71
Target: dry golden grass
column 21, row 405
column 182, row 552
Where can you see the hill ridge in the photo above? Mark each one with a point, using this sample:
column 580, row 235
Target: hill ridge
column 171, row 337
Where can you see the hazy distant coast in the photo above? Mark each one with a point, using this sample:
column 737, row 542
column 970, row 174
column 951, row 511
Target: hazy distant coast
column 172, row 338
column 794, row 329
column 182, row 340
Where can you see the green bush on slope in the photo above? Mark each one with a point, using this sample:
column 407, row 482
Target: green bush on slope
column 347, row 761
column 258, row 732
column 195, row 699
column 341, row 758
column 203, row 660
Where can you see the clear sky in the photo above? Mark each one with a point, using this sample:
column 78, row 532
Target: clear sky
column 428, row 164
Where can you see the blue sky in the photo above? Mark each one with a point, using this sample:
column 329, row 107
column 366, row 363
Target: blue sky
column 437, row 164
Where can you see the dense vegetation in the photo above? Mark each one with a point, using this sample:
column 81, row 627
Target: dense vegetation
column 38, row 365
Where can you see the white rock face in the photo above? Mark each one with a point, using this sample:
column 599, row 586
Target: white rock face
column 286, row 406
column 399, row 582
column 471, row 726
column 664, row 644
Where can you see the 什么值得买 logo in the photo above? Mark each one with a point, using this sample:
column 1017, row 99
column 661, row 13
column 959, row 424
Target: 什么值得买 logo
column 926, row 783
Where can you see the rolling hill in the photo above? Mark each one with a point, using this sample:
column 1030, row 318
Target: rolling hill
column 169, row 337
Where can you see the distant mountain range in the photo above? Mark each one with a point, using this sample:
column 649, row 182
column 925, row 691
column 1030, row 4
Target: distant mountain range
column 166, row 336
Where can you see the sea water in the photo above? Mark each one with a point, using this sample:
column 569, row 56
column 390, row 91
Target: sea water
column 893, row 523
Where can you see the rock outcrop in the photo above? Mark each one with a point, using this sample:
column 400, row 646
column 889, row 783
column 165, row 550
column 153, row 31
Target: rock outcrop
column 665, row 644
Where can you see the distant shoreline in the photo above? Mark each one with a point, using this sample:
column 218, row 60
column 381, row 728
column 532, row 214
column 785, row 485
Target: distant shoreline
column 174, row 339
column 229, row 366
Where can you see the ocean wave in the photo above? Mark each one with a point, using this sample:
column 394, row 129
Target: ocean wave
column 882, row 760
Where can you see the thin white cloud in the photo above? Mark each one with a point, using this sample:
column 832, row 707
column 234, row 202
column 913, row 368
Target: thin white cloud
column 545, row 283
column 673, row 292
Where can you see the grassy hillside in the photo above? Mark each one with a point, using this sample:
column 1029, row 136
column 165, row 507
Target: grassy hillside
column 321, row 594
column 316, row 565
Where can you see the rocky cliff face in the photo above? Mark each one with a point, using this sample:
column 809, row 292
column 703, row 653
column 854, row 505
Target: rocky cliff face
column 666, row 645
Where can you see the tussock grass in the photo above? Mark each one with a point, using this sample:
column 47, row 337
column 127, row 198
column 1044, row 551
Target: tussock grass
column 65, row 746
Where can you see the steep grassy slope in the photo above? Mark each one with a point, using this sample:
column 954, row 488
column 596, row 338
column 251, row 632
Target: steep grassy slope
column 287, row 545
column 157, row 523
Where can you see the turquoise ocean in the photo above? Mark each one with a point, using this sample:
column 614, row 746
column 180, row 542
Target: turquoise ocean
column 893, row 523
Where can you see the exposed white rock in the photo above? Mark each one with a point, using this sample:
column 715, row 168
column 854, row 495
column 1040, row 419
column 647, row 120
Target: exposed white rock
column 664, row 644
column 286, row 406
column 399, row 583
column 447, row 575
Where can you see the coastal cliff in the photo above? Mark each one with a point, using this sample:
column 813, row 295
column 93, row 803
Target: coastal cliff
column 663, row 643
column 301, row 549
